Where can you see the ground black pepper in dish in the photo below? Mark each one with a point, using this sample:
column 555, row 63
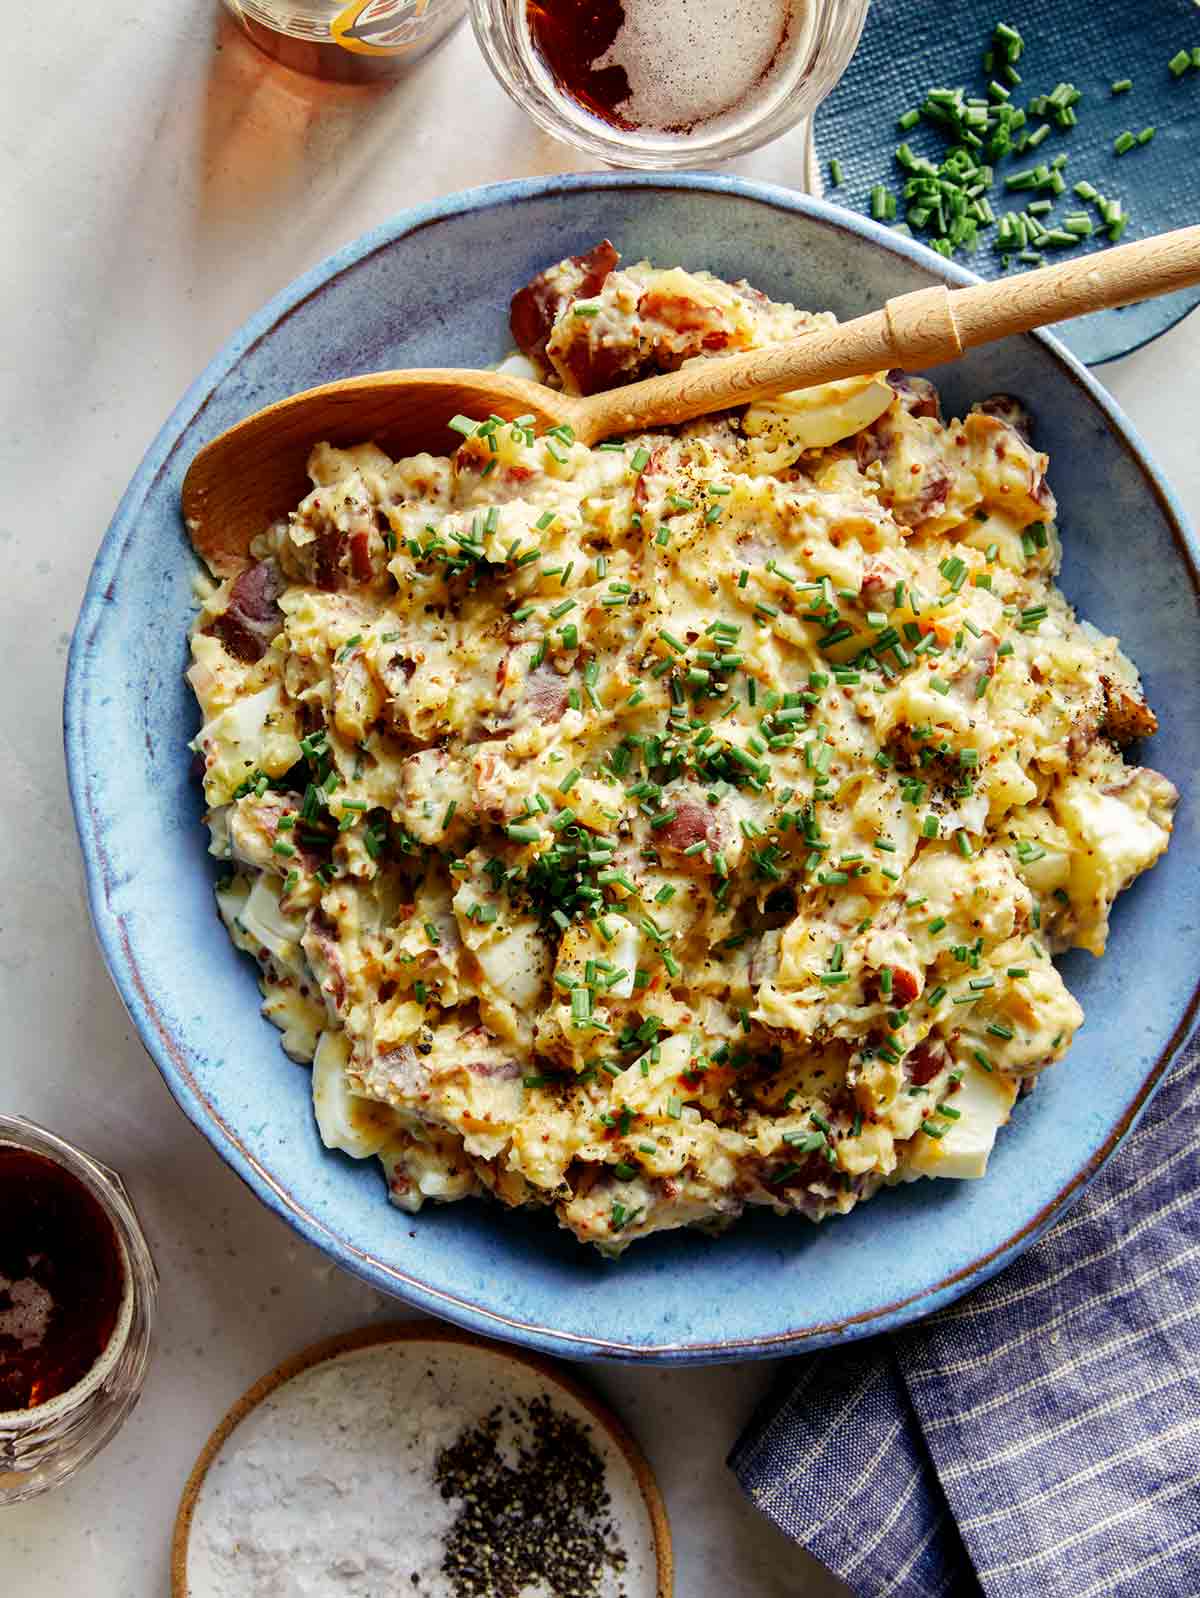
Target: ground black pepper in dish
column 545, row 1517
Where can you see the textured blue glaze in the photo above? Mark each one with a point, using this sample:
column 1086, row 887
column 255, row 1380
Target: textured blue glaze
column 908, row 47
column 430, row 288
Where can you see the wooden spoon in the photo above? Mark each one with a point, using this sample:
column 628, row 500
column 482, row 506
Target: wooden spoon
column 255, row 471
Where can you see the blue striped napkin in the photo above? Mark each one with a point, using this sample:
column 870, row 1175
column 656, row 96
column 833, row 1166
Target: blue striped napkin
column 1039, row 1439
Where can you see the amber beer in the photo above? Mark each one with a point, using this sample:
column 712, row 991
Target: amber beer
column 668, row 66
column 352, row 41
column 61, row 1280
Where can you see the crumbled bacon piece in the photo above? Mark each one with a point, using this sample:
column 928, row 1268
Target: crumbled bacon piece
column 360, row 556
column 327, row 557
column 484, row 1056
column 904, row 989
column 1126, row 714
column 877, row 577
column 925, row 1061
column 324, row 952
column 904, row 986
column 641, row 488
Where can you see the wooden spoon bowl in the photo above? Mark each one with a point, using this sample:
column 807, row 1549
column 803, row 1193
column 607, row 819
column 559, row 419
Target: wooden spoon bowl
column 254, row 472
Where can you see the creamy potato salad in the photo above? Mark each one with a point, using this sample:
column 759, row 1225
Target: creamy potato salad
column 681, row 824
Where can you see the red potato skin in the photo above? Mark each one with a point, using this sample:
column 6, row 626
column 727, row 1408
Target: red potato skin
column 546, row 694
column 596, row 369
column 917, row 394
column 931, row 499
column 252, row 617
column 534, row 308
column 692, row 824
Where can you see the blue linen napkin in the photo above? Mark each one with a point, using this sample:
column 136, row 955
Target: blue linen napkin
column 1040, row 1438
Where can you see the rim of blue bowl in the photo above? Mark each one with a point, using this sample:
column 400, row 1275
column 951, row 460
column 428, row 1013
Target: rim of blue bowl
column 113, row 936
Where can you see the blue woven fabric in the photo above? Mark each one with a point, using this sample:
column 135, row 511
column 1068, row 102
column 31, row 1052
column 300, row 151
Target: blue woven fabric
column 1041, row 1437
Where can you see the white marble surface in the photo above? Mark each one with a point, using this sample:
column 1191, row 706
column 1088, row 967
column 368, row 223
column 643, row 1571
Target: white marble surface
column 160, row 180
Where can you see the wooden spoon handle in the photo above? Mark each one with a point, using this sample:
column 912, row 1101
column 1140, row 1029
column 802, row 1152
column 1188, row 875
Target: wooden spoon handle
column 1140, row 271
column 925, row 328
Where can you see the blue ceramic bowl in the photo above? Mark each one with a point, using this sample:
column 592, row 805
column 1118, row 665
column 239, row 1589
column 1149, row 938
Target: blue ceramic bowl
column 429, row 289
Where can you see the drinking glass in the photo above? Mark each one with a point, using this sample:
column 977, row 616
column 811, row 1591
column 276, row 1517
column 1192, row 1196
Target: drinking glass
column 353, row 41
column 821, row 40
column 40, row 1447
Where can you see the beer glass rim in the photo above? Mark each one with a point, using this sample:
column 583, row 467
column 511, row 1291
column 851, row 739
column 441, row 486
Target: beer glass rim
column 503, row 37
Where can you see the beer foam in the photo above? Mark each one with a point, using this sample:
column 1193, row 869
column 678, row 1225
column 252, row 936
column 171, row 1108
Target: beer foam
column 690, row 61
column 27, row 1314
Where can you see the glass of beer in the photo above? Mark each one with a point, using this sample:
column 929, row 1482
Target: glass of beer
column 352, row 41
column 77, row 1297
column 660, row 84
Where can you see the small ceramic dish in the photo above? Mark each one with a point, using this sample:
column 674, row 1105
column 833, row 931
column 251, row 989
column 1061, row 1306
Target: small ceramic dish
column 406, row 1392
column 431, row 288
